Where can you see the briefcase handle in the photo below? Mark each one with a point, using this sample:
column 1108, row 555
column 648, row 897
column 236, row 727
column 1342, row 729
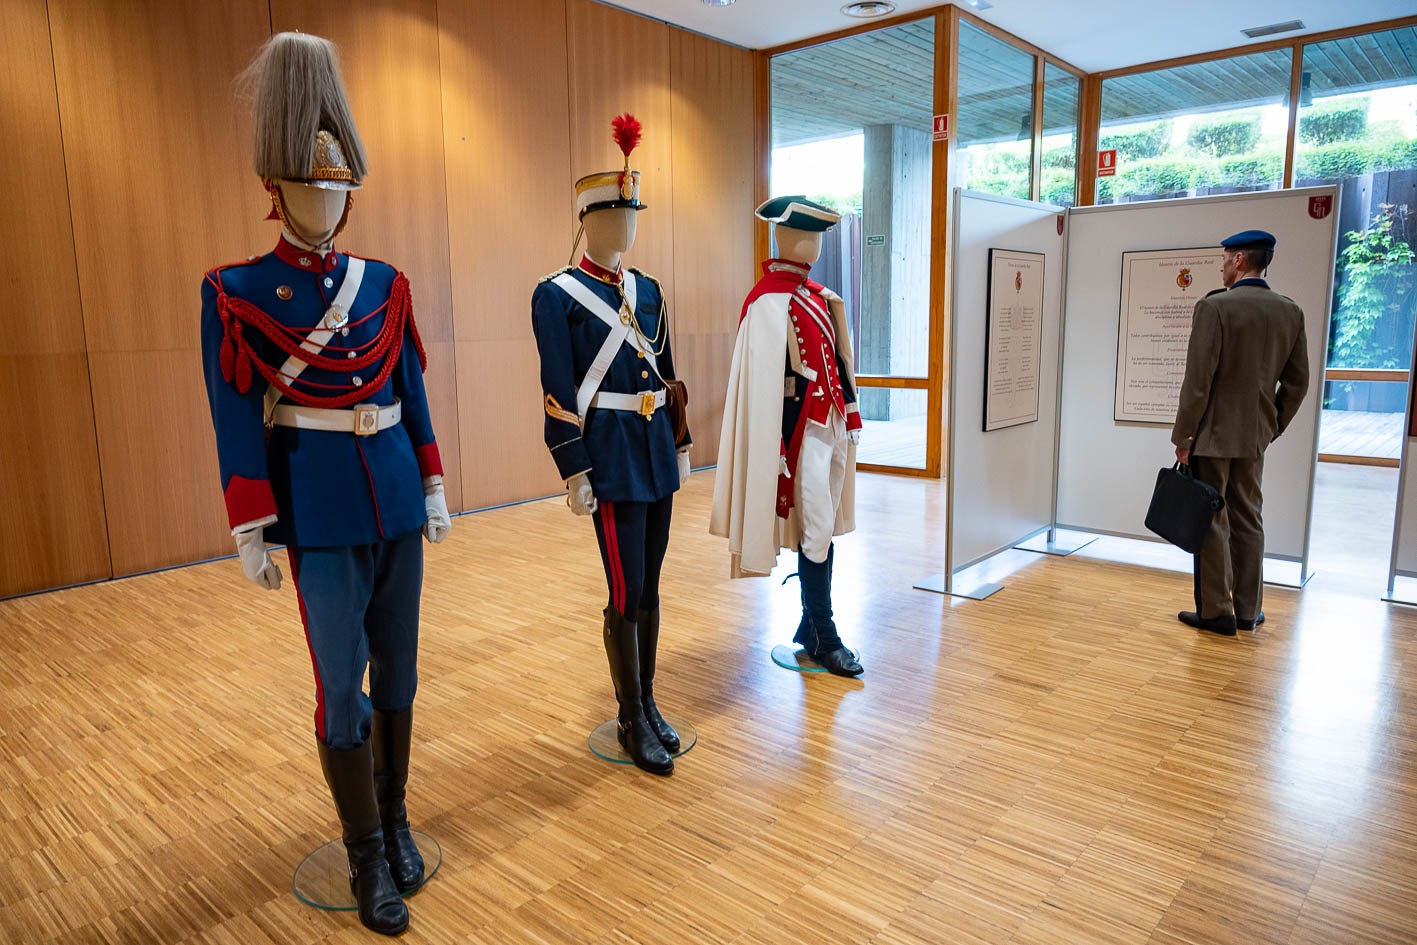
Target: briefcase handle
column 1217, row 503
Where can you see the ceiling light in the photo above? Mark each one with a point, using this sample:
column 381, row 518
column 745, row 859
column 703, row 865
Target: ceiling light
column 865, row 9
column 980, row 4
column 719, row 3
column 1271, row 29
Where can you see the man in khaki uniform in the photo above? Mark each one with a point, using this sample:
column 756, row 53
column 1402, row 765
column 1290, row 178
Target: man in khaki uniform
column 1247, row 370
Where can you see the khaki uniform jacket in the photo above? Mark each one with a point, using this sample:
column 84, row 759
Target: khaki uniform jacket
column 1247, row 370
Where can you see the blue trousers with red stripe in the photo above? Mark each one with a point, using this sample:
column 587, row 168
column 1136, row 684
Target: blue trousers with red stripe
column 359, row 604
column 633, row 537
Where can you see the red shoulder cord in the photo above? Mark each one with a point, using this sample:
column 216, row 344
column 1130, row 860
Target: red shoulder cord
column 238, row 357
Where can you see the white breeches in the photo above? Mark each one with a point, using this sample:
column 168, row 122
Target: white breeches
column 821, row 471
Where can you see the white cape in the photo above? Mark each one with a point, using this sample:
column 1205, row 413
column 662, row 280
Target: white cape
column 745, row 486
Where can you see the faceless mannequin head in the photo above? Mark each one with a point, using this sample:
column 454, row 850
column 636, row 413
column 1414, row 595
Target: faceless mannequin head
column 799, row 246
column 608, row 233
column 313, row 214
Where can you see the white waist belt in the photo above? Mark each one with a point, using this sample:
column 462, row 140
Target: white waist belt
column 643, row 404
column 361, row 420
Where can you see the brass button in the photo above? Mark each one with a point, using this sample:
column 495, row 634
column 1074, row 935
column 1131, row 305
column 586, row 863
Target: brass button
column 283, row 293
column 644, row 374
column 640, row 354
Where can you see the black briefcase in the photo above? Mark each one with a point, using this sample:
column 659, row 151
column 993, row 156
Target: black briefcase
column 1182, row 507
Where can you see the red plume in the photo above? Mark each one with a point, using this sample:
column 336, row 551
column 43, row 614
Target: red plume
column 626, row 131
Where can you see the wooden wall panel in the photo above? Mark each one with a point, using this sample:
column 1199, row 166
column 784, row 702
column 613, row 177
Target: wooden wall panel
column 510, row 221
column 39, row 287
column 389, row 55
column 160, row 179
column 713, row 158
column 158, row 159
column 161, row 483
column 51, row 501
column 504, row 456
column 618, row 63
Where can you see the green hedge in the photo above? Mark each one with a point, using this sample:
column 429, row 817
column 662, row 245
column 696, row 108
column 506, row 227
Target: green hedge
column 1326, row 125
column 1237, row 135
column 1350, row 158
column 1060, row 157
column 1149, row 142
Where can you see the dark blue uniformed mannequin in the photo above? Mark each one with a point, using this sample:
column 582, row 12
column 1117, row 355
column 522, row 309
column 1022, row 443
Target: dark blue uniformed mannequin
column 603, row 336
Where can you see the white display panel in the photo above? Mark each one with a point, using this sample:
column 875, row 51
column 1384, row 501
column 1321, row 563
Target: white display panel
column 1160, row 289
column 1107, row 467
column 1000, row 483
column 1013, row 371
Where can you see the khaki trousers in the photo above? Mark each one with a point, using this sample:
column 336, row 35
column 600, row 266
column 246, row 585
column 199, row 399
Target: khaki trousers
column 1229, row 571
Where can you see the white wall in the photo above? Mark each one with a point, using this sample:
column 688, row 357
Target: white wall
column 1107, row 468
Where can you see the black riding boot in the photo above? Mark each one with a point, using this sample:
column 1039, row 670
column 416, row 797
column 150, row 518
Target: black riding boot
column 392, row 737
column 821, row 640
column 632, row 728
column 648, row 632
column 350, row 774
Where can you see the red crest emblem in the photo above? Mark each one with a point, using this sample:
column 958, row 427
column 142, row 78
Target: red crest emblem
column 1320, row 207
column 1184, row 279
column 1018, row 282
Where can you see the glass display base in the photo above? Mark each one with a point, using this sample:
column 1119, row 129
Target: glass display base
column 793, row 657
column 322, row 878
column 605, row 745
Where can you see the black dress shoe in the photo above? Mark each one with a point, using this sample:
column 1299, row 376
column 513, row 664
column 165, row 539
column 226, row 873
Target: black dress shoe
column 1250, row 624
column 840, row 662
column 1223, row 625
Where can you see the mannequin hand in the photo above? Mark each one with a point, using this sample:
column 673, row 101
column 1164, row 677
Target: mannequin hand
column 854, row 436
column 580, row 496
column 782, row 469
column 439, row 523
column 683, row 457
column 256, row 559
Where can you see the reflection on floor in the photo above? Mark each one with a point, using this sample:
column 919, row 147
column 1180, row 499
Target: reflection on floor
column 1062, row 763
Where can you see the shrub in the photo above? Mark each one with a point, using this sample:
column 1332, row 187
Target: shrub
column 1156, row 177
column 1058, row 187
column 1060, row 157
column 1149, row 142
column 1330, row 123
column 1376, row 281
column 1250, row 171
column 1335, row 161
column 1236, row 135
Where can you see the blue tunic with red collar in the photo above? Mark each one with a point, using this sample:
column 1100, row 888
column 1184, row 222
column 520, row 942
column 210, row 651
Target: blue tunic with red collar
column 326, row 488
column 629, row 458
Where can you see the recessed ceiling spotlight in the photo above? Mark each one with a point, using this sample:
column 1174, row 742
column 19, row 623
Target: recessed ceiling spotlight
column 866, row 9
column 719, row 3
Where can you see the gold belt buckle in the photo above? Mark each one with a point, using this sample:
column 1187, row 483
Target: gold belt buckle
column 647, row 404
column 366, row 419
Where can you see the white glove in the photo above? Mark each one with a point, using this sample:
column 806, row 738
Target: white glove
column 854, row 436
column 256, row 559
column 684, row 470
column 439, row 523
column 580, row 496
column 782, row 469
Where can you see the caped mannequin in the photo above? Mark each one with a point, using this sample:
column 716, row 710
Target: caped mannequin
column 801, row 246
column 608, row 234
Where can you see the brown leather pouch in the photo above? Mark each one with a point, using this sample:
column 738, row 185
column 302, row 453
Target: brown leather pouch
column 676, row 401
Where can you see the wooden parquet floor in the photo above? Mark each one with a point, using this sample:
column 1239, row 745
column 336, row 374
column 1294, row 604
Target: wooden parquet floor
column 1063, row 763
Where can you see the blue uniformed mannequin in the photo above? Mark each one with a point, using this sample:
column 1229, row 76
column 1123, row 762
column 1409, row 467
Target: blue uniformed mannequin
column 314, row 373
column 603, row 335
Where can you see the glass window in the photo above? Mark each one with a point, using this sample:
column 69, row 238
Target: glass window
column 1060, row 126
column 994, row 150
column 851, row 129
column 1215, row 127
column 1358, row 129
